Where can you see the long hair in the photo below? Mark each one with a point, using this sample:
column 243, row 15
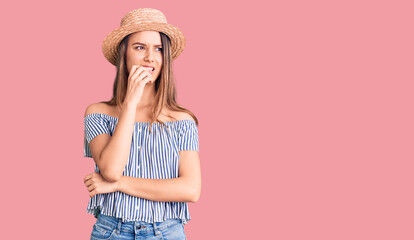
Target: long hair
column 165, row 92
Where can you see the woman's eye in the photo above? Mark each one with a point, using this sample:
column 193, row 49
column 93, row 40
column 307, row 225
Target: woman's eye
column 160, row 49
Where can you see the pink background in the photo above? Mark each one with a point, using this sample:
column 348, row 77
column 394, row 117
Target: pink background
column 305, row 110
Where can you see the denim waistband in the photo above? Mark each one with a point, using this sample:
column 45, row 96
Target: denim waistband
column 132, row 226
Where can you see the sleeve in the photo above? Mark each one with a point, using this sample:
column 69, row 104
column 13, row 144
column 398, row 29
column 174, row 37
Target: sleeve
column 188, row 139
column 94, row 126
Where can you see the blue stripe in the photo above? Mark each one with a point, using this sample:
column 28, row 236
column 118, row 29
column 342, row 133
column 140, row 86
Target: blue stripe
column 153, row 155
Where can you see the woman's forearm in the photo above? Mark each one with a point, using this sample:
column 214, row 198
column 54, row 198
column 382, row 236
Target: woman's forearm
column 163, row 190
column 115, row 154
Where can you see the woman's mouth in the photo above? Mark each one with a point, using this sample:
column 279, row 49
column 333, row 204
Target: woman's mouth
column 149, row 69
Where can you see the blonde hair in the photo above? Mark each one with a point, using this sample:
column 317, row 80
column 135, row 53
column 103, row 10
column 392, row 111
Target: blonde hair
column 164, row 85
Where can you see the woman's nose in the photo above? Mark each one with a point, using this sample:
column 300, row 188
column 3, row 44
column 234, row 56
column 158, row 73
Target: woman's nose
column 149, row 55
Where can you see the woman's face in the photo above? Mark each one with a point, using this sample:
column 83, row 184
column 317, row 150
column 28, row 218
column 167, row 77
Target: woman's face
column 145, row 49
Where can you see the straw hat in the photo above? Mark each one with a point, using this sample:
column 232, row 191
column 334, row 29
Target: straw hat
column 142, row 19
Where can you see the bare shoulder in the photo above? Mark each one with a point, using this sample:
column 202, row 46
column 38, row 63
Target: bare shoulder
column 182, row 116
column 96, row 108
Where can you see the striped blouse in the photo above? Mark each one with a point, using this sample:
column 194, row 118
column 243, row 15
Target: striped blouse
column 153, row 155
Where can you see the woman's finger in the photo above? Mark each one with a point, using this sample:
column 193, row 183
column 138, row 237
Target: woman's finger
column 133, row 70
column 136, row 74
column 87, row 177
column 147, row 76
column 141, row 74
column 88, row 183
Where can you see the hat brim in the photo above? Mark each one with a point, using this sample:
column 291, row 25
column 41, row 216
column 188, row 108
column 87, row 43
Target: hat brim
column 111, row 42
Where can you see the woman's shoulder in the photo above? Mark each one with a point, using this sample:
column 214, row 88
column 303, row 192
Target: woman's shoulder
column 104, row 108
column 99, row 107
column 181, row 116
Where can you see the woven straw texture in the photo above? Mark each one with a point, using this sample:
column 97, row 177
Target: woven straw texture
column 143, row 19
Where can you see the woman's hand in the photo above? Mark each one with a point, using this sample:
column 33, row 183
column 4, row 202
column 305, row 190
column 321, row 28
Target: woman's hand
column 138, row 77
column 96, row 184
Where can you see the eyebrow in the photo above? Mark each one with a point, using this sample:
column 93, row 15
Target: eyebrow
column 159, row 45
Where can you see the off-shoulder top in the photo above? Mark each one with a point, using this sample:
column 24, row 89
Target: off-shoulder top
column 153, row 155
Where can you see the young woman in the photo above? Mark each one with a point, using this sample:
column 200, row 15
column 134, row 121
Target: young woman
column 145, row 145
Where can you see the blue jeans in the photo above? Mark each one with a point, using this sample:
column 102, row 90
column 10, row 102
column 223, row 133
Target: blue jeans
column 107, row 227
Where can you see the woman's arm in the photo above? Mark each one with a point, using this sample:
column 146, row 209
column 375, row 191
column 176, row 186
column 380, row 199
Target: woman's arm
column 111, row 153
column 185, row 188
